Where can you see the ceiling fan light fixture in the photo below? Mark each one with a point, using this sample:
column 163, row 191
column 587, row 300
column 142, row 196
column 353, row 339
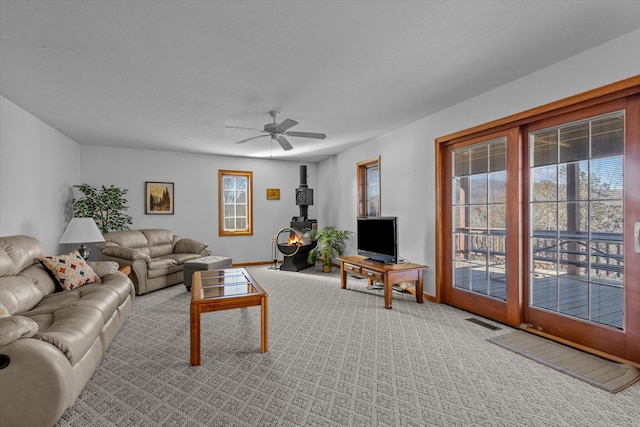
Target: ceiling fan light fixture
column 278, row 131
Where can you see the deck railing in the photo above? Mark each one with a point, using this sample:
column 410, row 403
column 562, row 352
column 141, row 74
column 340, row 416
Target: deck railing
column 571, row 251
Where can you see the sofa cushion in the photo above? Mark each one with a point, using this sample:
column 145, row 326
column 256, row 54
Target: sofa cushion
column 105, row 296
column 126, row 253
column 121, row 288
column 160, row 242
column 158, row 263
column 126, row 238
column 73, row 330
column 14, row 327
column 181, row 258
column 71, row 270
column 189, row 246
column 7, row 267
column 22, row 250
column 19, row 294
column 42, row 278
column 160, row 250
column 158, row 236
column 159, row 272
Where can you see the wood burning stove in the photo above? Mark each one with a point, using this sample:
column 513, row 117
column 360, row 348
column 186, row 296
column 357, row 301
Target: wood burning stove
column 290, row 241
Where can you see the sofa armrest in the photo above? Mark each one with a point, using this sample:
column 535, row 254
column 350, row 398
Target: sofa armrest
column 103, row 268
column 189, row 246
column 138, row 271
column 125, row 253
column 37, row 374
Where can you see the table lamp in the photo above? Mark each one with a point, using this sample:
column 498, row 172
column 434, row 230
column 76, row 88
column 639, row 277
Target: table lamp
column 82, row 230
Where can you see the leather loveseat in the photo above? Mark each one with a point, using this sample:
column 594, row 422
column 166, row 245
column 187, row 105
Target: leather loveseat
column 52, row 340
column 156, row 256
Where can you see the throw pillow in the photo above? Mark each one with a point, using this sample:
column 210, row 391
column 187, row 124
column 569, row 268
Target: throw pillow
column 71, row 271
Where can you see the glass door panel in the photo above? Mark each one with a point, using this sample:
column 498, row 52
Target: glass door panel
column 576, row 220
column 479, row 218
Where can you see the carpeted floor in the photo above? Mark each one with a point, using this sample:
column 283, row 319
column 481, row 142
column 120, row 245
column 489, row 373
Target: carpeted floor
column 336, row 358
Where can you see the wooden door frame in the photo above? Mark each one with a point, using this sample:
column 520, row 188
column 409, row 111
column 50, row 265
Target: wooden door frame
column 591, row 335
column 509, row 311
column 628, row 91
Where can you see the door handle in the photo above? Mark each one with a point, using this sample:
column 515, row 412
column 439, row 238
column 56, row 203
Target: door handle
column 636, row 237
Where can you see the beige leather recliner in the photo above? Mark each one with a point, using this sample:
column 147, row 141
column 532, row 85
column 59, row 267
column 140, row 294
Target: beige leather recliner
column 156, row 256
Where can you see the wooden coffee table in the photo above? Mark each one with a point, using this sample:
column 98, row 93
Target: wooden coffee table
column 225, row 289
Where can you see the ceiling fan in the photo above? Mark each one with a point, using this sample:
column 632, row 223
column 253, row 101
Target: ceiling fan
column 278, row 131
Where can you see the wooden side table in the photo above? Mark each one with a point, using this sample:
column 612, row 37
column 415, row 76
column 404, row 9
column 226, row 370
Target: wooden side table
column 125, row 269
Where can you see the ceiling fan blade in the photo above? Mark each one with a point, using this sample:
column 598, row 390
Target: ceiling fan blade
column 287, row 124
column 249, row 139
column 284, row 143
column 307, row 135
column 240, row 127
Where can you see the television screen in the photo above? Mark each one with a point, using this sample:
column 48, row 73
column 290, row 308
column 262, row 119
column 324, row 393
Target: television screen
column 378, row 238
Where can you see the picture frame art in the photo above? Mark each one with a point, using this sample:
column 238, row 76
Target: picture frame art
column 159, row 198
column 273, row 194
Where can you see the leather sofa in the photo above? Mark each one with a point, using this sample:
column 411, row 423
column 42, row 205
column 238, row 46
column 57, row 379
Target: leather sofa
column 156, row 256
column 52, row 340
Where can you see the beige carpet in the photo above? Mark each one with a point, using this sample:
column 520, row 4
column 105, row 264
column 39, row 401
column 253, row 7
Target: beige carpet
column 336, row 358
column 594, row 370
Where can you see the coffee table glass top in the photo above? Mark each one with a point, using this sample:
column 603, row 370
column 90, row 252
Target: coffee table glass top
column 227, row 283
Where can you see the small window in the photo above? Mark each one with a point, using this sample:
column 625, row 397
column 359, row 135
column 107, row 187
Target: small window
column 369, row 187
column 235, row 203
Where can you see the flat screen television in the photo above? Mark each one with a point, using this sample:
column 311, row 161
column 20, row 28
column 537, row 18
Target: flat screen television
column 378, row 238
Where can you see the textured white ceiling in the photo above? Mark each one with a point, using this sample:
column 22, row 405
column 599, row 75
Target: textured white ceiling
column 172, row 74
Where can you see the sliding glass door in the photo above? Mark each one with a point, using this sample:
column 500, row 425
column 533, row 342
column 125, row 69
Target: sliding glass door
column 583, row 202
column 537, row 223
column 480, row 254
column 576, row 247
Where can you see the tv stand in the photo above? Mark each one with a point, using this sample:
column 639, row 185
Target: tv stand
column 388, row 274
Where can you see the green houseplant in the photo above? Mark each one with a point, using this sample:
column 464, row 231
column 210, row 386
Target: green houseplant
column 331, row 243
column 106, row 206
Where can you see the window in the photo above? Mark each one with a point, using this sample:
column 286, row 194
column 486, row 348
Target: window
column 234, row 203
column 369, row 187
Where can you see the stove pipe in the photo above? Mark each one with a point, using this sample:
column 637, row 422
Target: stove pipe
column 304, row 195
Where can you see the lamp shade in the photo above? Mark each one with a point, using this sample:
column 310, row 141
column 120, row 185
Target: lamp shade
column 81, row 230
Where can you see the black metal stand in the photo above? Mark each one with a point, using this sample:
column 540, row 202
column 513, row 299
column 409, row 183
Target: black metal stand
column 274, row 251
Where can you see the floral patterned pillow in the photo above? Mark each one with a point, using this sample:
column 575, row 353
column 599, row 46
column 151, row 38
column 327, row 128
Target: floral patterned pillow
column 71, row 271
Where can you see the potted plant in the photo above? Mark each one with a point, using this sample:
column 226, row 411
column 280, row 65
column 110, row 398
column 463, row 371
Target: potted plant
column 106, row 206
column 331, row 243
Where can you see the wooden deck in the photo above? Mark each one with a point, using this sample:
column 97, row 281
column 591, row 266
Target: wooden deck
column 564, row 294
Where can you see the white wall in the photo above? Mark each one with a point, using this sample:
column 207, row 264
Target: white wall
column 37, row 168
column 195, row 179
column 38, row 165
column 408, row 154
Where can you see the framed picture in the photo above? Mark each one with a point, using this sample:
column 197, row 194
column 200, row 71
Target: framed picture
column 159, row 198
column 273, row 194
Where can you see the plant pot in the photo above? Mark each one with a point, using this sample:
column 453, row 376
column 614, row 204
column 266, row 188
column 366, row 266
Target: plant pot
column 326, row 268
